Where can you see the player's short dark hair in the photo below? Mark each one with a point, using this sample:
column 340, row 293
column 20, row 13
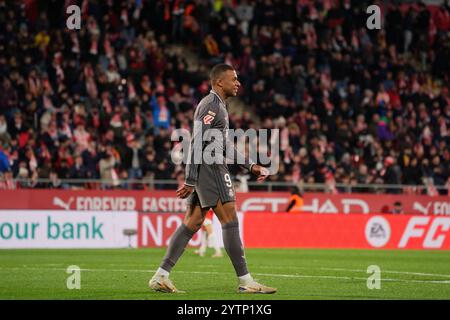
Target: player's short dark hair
column 218, row 69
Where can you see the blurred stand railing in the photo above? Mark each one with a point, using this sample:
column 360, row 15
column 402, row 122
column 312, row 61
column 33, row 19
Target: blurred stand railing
column 267, row 186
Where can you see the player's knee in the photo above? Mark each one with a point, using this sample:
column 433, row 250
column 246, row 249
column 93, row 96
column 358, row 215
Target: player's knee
column 194, row 225
column 229, row 220
column 231, row 216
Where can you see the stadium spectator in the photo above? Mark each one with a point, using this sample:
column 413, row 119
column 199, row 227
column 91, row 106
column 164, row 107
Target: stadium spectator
column 4, row 162
column 107, row 166
column 78, row 170
column 55, row 182
column 398, row 208
column 132, row 158
column 295, row 203
column 8, row 98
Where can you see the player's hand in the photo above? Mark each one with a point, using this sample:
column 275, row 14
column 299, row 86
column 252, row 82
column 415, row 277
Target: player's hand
column 261, row 172
column 184, row 191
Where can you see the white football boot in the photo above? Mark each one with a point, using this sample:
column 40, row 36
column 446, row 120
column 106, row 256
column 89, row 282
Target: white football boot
column 162, row 284
column 255, row 287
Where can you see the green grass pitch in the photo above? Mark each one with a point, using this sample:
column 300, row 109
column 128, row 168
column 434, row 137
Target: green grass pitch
column 297, row 273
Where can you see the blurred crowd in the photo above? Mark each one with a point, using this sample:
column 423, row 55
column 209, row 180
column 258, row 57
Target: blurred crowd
column 354, row 106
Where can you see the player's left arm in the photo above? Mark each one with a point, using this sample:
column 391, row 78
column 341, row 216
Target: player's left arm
column 242, row 160
column 248, row 163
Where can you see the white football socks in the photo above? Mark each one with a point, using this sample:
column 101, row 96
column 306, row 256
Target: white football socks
column 245, row 279
column 162, row 272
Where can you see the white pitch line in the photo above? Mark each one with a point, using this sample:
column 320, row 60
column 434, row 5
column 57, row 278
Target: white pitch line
column 352, row 270
column 352, row 278
column 260, row 274
column 309, row 268
column 392, row 271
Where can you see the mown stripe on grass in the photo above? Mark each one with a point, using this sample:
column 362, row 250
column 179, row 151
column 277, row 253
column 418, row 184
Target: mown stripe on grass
column 299, row 276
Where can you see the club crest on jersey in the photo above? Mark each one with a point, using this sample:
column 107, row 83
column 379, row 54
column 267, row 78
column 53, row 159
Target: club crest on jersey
column 208, row 119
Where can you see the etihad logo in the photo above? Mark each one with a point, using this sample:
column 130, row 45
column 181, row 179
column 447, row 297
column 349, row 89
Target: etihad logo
column 315, row 206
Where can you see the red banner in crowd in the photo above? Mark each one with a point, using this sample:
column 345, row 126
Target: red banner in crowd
column 287, row 230
column 166, row 201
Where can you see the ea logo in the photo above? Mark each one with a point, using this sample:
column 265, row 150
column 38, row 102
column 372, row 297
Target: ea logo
column 378, row 231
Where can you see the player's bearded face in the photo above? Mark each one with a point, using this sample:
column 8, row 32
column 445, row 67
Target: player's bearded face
column 230, row 83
